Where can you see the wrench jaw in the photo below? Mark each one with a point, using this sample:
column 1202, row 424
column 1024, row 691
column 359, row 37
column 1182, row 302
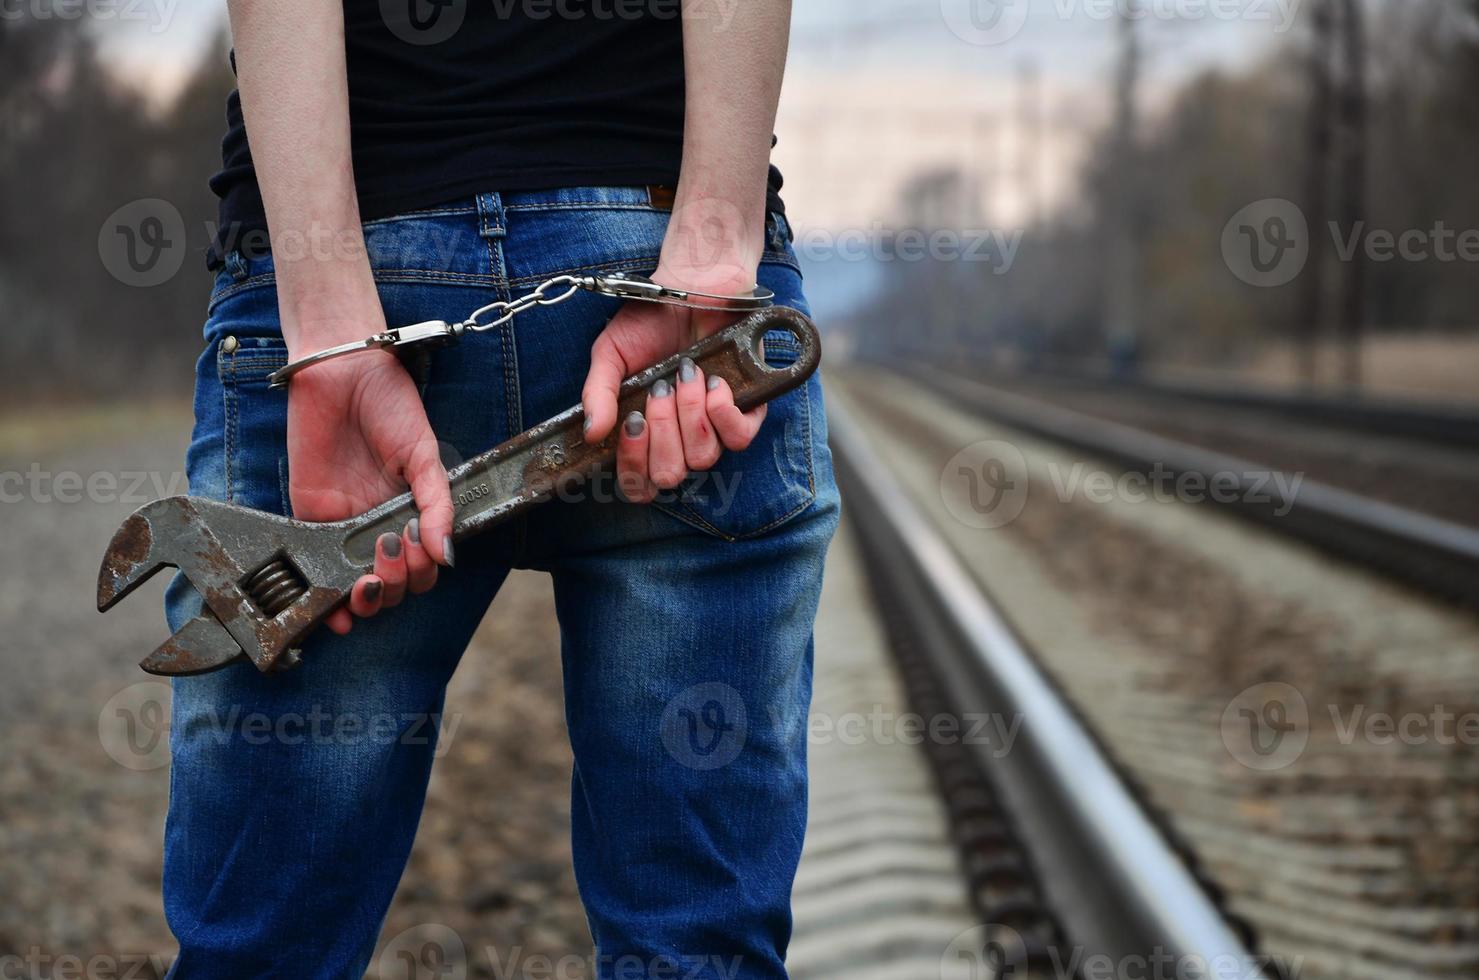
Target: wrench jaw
column 132, row 557
column 259, row 602
column 200, row 646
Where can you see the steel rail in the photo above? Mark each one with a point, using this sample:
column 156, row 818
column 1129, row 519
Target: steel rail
column 1379, row 415
column 1112, row 879
column 1438, row 556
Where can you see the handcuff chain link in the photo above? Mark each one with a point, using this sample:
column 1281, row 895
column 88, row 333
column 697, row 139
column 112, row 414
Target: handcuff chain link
column 508, row 309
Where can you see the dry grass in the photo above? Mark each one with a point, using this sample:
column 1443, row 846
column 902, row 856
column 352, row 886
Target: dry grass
column 1437, row 367
column 29, row 433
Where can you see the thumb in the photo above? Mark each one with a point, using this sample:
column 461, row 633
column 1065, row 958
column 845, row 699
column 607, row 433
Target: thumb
column 602, row 385
column 433, row 495
column 639, row 335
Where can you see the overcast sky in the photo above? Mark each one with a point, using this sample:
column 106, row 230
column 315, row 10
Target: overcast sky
column 878, row 90
column 1067, row 38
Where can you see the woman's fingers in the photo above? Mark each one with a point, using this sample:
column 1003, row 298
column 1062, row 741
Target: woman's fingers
column 433, row 495
column 640, row 334
column 366, row 596
column 340, row 621
column 631, row 460
column 665, row 466
column 390, row 568
column 736, row 429
column 700, row 445
column 401, row 565
column 421, row 570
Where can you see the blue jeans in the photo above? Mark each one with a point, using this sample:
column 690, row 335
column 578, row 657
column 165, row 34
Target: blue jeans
column 686, row 633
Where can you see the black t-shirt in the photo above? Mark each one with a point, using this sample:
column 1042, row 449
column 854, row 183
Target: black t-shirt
column 448, row 98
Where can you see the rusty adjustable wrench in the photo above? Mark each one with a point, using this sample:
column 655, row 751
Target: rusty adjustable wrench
column 268, row 580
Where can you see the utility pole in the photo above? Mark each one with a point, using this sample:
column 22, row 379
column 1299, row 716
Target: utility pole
column 1316, row 187
column 1123, row 294
column 1352, row 206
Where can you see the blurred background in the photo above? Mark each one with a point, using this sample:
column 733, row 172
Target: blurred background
column 1092, row 158
column 1048, row 241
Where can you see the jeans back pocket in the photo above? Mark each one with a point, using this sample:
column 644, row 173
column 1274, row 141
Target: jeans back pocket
column 751, row 492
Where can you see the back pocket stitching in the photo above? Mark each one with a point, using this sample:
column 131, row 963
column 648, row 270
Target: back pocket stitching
column 263, row 359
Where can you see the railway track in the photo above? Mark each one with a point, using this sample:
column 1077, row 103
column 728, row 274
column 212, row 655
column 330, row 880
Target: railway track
column 1382, row 416
column 1438, row 554
column 1354, row 857
column 1066, row 868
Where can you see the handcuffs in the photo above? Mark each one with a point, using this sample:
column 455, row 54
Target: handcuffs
column 440, row 333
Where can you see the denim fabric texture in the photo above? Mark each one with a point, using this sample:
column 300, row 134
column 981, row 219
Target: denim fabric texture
column 686, row 632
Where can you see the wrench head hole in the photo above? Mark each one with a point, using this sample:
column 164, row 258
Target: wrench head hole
column 792, row 340
column 275, row 585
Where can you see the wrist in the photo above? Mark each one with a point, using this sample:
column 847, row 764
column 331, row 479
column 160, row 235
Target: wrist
column 716, row 235
column 308, row 334
column 710, row 257
column 321, row 311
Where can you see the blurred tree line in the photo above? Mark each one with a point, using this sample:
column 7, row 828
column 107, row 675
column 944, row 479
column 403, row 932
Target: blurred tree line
column 1164, row 189
column 76, row 144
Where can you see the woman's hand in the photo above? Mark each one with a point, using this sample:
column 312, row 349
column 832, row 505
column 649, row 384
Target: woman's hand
column 358, row 436
column 715, row 237
column 684, row 426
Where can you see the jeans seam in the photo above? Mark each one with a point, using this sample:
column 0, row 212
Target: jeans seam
column 228, row 398
column 588, row 205
column 511, row 378
column 643, row 262
column 423, row 213
column 260, row 279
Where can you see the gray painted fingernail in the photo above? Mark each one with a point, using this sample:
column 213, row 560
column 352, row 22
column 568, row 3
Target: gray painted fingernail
column 661, row 388
column 390, row 543
column 713, row 382
column 447, row 550
column 372, row 590
column 414, row 530
column 687, row 370
column 635, row 424
column 585, row 426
